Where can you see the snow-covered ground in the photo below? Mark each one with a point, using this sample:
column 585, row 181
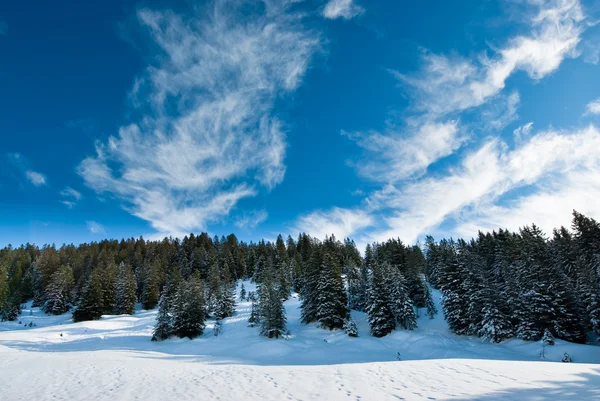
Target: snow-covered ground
column 113, row 358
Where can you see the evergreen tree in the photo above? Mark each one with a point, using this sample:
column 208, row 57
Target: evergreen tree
column 429, row 304
column 331, row 310
column 350, row 327
column 272, row 311
column 400, row 303
column 57, row 293
column 125, row 290
column 495, row 326
column 242, row 293
column 254, row 313
column 188, row 309
column 37, row 284
column 381, row 317
column 164, row 320
column 91, row 304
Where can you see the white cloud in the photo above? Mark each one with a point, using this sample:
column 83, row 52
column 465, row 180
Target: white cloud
column 210, row 137
column 252, row 219
column 340, row 222
column 71, row 197
column 551, row 164
column 345, row 9
column 36, row 178
column 450, row 84
column 95, row 227
column 523, row 131
column 400, row 156
column 593, row 107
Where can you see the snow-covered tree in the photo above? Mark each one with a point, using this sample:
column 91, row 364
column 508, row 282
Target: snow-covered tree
column 350, row 327
column 58, row 291
column 381, row 316
column 164, row 320
column 91, row 303
column 331, row 300
column 188, row 309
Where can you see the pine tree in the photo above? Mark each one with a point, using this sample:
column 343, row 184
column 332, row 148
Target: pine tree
column 272, row 311
column 164, row 320
column 58, row 291
column 358, row 281
column 188, row 309
column 331, row 310
column 381, row 317
column 310, row 286
column 91, row 304
column 400, row 303
column 125, row 290
column 495, row 325
column 37, row 284
column 429, row 304
column 254, row 312
column 242, row 293
column 350, row 327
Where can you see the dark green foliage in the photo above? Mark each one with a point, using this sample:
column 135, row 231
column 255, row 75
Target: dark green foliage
column 91, row 304
column 272, row 311
column 331, row 310
column 381, row 316
column 125, row 289
column 187, row 309
column 164, row 320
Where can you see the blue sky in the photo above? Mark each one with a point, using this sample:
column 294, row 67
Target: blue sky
column 363, row 118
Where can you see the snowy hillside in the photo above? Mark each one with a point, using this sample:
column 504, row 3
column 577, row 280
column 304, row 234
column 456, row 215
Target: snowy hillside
column 113, row 358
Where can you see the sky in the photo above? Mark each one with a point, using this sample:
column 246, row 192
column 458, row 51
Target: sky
column 367, row 119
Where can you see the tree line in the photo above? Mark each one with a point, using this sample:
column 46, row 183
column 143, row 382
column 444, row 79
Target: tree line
column 496, row 286
column 521, row 284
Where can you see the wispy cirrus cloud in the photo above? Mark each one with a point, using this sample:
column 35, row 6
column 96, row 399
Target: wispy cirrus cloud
column 22, row 170
column 209, row 136
column 3, row 28
column 95, row 227
column 346, row 9
column 337, row 221
column 37, row 179
column 548, row 163
column 593, row 107
column 71, row 197
column 251, row 219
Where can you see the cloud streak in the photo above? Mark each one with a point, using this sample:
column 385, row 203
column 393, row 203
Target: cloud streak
column 71, row 197
column 346, row 9
column 95, row 227
column 209, row 137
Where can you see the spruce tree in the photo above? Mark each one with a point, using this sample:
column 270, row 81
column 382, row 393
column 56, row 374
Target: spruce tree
column 125, row 289
column 495, row 325
column 331, row 310
column 400, row 302
column 242, row 293
column 350, row 327
column 272, row 311
column 58, row 291
column 188, row 309
column 164, row 320
column 254, row 312
column 381, row 317
column 91, row 303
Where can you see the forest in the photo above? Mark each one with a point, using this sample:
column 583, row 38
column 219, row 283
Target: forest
column 496, row 286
